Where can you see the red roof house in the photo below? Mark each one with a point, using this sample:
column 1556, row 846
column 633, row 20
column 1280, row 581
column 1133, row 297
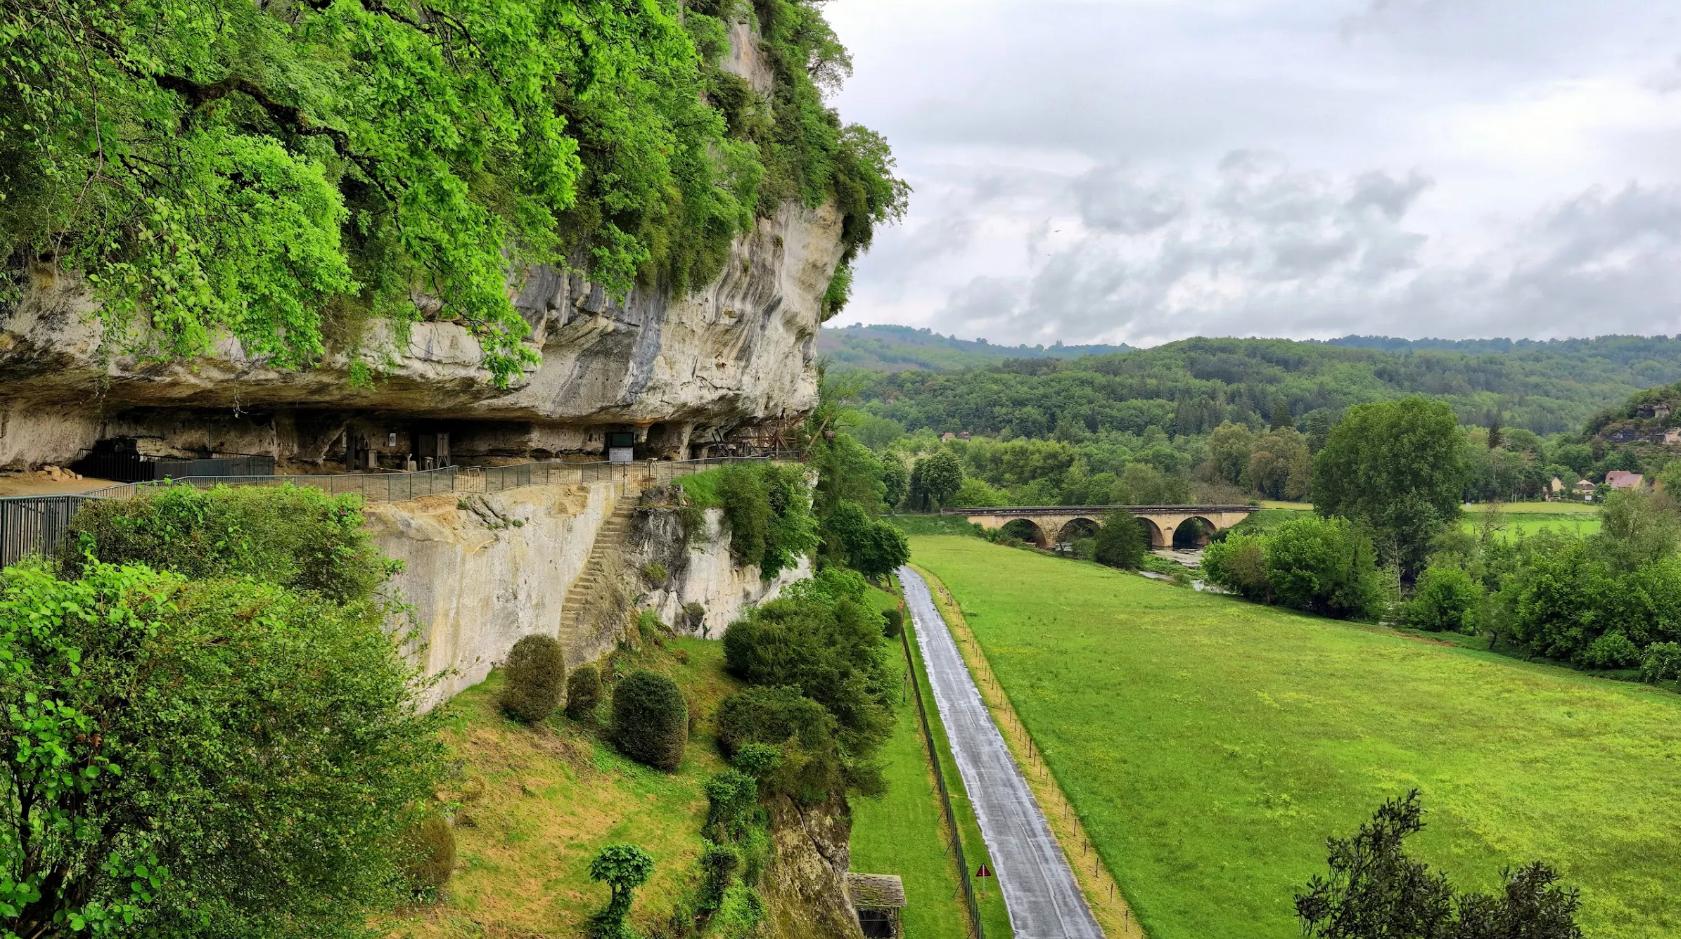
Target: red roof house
column 1623, row 479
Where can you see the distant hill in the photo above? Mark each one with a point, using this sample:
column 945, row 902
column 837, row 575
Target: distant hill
column 1189, row 387
column 902, row 348
column 1649, row 417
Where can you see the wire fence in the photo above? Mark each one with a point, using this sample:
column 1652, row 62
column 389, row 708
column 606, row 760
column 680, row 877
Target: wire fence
column 946, row 808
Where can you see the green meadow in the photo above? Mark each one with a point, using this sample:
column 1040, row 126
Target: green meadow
column 1211, row 745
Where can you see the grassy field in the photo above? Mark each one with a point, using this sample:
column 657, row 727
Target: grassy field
column 1512, row 519
column 524, row 837
column 1210, row 746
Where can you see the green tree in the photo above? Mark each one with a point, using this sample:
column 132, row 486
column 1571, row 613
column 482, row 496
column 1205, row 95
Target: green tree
column 623, row 868
column 213, row 759
column 935, row 479
column 1325, row 566
column 895, row 482
column 1398, row 468
column 1120, row 542
column 1445, row 598
column 867, row 545
column 1229, row 450
column 1375, row 890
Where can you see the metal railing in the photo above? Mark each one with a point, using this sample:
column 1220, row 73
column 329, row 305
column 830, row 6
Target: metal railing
column 372, row 487
column 33, row 524
column 974, row 908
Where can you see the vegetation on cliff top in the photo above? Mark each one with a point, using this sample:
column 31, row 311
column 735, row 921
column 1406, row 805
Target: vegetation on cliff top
column 284, row 171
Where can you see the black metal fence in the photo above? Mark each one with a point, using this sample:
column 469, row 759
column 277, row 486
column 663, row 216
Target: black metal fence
column 130, row 467
column 34, row 524
column 965, row 879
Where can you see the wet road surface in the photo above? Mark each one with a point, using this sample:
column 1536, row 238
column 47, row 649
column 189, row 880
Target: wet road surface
column 1039, row 889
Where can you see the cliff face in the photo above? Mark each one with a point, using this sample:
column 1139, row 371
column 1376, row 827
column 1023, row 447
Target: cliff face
column 701, row 590
column 736, row 353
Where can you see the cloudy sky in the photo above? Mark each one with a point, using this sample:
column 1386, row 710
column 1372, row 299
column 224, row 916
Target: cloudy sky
column 1144, row 170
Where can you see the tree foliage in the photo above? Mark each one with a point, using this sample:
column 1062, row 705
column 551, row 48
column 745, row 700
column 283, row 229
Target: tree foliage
column 822, row 641
column 1120, row 542
column 935, row 479
column 282, row 172
column 623, row 868
column 1396, row 467
column 1319, row 565
column 220, row 758
column 1375, row 891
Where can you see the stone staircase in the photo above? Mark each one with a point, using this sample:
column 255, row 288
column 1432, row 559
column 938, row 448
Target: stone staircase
column 602, row 564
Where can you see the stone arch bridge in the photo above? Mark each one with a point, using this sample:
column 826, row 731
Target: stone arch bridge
column 1059, row 523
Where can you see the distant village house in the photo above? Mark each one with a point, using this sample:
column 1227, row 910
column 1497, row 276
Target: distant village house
column 1622, row 479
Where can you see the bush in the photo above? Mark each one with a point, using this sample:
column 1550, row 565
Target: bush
column 1239, row 564
column 731, row 796
column 261, row 758
column 739, row 915
column 1662, row 662
column 694, row 613
column 655, row 574
column 1444, row 599
column 1325, row 566
column 805, row 760
column 650, row 720
column 718, row 864
column 430, row 858
column 293, row 536
column 892, row 623
column 1120, row 542
column 583, row 694
column 1611, row 650
column 536, row 673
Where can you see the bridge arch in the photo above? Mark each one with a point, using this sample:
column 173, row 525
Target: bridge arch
column 1194, row 532
column 1153, row 534
column 1027, row 530
column 1078, row 527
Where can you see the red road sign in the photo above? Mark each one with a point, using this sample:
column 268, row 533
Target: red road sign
column 983, row 872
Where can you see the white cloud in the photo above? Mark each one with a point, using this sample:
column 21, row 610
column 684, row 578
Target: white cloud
column 1140, row 170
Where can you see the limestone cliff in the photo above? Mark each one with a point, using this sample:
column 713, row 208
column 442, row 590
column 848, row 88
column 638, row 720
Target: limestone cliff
column 736, row 353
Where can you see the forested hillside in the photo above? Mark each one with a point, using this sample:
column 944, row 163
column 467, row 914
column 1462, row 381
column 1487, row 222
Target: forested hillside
column 1191, row 387
column 885, row 348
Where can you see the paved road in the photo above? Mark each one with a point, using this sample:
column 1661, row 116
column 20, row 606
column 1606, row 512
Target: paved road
column 1039, row 889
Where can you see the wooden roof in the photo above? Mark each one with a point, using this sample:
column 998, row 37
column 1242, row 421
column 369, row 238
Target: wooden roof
column 876, row 891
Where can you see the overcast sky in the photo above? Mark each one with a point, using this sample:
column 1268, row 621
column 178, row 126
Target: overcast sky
column 1144, row 170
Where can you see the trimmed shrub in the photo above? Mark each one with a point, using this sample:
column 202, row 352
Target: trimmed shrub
column 650, row 720
column 536, row 673
column 1444, row 599
column 583, row 694
column 892, row 622
column 430, row 857
column 1662, row 662
column 623, row 868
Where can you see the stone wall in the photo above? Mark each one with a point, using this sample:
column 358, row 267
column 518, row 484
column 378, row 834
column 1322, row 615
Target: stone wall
column 483, row 571
column 698, row 569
